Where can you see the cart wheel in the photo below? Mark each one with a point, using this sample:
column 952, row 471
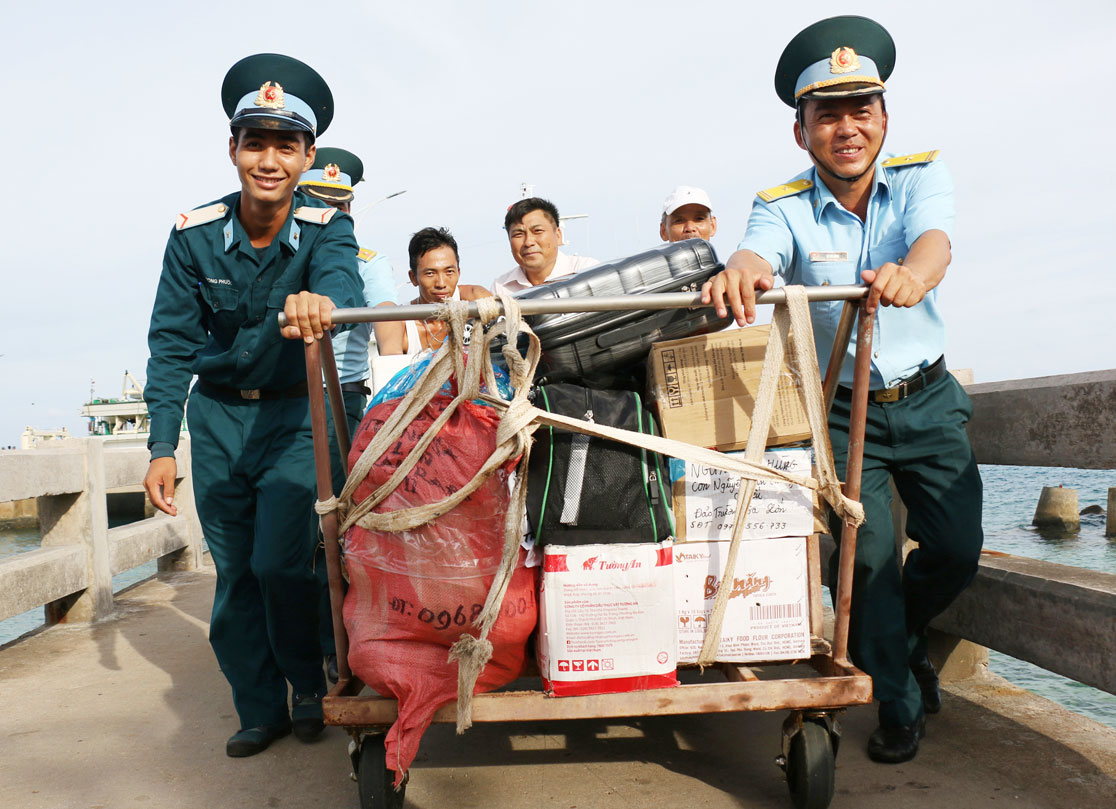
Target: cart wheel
column 811, row 767
column 374, row 779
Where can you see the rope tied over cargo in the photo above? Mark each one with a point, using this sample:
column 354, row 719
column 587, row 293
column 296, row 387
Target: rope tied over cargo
column 791, row 324
column 519, row 419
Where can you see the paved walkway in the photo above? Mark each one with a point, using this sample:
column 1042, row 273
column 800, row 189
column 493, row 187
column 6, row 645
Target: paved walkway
column 133, row 713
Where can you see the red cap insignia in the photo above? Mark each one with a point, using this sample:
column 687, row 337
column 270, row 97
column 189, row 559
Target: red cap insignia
column 844, row 60
column 331, row 173
column 270, row 96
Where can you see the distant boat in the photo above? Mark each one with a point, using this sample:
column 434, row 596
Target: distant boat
column 121, row 420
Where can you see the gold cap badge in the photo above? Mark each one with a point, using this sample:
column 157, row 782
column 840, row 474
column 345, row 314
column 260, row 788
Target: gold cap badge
column 270, row 96
column 844, row 60
column 331, row 173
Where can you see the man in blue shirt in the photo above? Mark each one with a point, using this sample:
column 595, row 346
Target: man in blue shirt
column 229, row 269
column 331, row 179
column 859, row 216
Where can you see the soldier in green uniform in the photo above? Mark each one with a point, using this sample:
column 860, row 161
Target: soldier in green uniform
column 858, row 215
column 331, row 179
column 230, row 267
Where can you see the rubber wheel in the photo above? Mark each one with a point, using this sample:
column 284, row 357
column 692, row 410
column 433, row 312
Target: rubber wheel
column 811, row 767
column 374, row 779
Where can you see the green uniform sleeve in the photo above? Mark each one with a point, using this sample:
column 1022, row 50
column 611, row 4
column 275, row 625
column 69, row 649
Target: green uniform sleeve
column 333, row 268
column 176, row 336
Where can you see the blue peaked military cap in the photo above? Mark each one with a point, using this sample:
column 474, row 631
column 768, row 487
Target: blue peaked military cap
column 839, row 56
column 333, row 175
column 273, row 91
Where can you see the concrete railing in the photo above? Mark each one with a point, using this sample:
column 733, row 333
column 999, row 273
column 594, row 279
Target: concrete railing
column 1046, row 421
column 71, row 574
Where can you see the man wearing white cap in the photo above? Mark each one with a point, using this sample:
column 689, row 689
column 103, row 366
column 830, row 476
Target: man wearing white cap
column 687, row 214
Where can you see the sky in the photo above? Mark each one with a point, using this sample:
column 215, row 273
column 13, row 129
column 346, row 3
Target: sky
column 115, row 126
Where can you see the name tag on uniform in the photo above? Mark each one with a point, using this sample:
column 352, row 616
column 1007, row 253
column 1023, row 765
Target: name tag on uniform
column 834, row 256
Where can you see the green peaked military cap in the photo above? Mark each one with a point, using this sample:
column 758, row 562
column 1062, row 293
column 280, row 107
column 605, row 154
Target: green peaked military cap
column 333, row 175
column 273, row 91
column 839, row 56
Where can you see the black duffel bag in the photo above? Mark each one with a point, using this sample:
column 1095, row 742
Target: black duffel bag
column 587, row 490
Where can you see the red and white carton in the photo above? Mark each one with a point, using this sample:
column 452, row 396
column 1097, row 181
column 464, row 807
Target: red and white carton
column 607, row 619
column 767, row 616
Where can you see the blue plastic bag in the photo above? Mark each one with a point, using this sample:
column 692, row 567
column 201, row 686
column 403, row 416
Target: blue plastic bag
column 400, row 384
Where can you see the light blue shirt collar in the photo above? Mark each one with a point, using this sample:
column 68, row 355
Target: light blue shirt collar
column 823, row 197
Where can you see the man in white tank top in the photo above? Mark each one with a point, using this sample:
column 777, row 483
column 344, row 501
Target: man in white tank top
column 435, row 270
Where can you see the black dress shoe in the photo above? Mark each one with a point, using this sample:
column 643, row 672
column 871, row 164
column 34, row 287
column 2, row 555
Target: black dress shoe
column 249, row 741
column 306, row 716
column 896, row 745
column 927, row 680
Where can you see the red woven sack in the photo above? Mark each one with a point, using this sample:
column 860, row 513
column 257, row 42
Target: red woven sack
column 413, row 594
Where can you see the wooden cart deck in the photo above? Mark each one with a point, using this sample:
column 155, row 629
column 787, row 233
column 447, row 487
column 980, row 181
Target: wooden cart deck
column 814, row 684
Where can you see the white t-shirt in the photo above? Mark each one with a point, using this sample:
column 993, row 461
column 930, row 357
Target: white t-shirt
column 517, row 281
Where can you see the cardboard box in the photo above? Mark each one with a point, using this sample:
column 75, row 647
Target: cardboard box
column 607, row 619
column 704, row 499
column 705, row 389
column 767, row 616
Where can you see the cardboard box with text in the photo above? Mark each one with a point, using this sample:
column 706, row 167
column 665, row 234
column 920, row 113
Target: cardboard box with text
column 607, row 619
column 767, row 616
column 705, row 389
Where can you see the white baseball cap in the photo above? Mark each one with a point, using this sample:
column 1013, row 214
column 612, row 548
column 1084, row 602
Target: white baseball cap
column 685, row 195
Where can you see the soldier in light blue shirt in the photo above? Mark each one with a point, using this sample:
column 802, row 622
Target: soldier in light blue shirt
column 331, row 180
column 859, row 216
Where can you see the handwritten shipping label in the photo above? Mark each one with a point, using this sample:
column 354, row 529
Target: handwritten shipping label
column 705, row 499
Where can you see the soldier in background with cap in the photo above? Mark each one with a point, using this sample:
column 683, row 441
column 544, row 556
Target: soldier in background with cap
column 861, row 216
column 331, row 179
column 230, row 267
column 687, row 214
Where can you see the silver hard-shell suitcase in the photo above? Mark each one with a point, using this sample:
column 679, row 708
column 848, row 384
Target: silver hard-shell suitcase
column 587, row 345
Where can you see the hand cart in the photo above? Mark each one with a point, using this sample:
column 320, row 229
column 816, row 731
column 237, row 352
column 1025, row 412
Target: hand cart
column 813, row 690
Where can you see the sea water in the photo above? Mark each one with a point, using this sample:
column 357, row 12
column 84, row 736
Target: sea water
column 1010, row 496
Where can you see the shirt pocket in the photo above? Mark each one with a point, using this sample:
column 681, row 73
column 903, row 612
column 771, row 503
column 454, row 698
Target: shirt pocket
column 222, row 302
column 277, row 295
column 893, row 249
column 827, row 269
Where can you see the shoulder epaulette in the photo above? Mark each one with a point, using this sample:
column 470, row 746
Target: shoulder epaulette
column 911, row 159
column 786, row 190
column 364, row 254
column 319, row 216
column 200, row 216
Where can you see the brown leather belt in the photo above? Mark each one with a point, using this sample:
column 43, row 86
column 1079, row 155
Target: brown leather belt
column 253, row 394
column 923, row 378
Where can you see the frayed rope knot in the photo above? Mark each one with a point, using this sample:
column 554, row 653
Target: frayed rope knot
column 472, row 655
column 324, row 507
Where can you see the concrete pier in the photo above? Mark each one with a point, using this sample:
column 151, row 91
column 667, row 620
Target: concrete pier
column 133, row 713
column 1057, row 508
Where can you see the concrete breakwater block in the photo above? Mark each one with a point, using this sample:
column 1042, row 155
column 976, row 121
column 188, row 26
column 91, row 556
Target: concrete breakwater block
column 1057, row 508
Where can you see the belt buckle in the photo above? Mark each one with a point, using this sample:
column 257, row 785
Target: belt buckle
column 252, row 394
column 890, row 394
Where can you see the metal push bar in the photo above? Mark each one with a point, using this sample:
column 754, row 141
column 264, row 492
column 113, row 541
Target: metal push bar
column 319, row 359
column 609, row 303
